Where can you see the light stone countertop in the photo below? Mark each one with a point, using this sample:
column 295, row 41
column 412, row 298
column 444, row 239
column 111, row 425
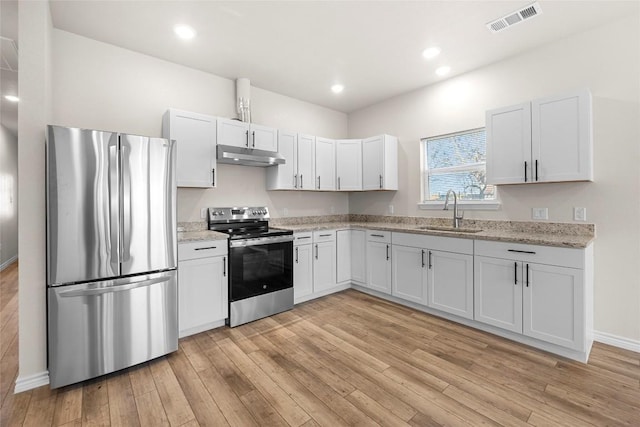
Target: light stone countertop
column 200, row 235
column 538, row 236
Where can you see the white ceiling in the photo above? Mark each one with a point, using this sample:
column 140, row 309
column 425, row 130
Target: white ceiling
column 300, row 48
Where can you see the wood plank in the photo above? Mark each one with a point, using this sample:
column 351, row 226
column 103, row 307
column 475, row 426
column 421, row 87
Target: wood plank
column 173, row 399
column 150, row 410
column 68, row 405
column 374, row 410
column 262, row 410
column 42, row 406
column 205, row 409
column 95, row 403
column 122, row 403
column 141, row 379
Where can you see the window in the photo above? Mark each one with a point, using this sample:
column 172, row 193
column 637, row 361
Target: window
column 456, row 161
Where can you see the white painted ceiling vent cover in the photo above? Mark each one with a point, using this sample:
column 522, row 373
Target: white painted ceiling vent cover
column 514, row 18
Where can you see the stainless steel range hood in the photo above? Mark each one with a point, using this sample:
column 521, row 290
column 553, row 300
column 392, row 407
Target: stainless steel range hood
column 248, row 157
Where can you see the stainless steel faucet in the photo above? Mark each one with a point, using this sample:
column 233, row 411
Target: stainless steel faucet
column 456, row 218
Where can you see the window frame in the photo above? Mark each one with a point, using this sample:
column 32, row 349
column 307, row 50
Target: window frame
column 424, row 182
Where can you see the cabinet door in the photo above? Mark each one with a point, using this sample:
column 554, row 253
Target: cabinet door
column 373, row 163
column 450, row 283
column 408, row 280
column 379, row 266
column 302, row 271
column 233, row 132
column 509, row 145
column 285, row 177
column 359, row 256
column 561, row 138
column 553, row 305
column 324, row 266
column 343, row 256
column 325, row 164
column 349, row 164
column 306, row 162
column 263, row 138
column 202, row 294
column 195, row 136
column 498, row 292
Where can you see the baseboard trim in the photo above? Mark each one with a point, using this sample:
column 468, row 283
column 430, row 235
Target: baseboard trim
column 32, row 381
column 8, row 262
column 617, row 341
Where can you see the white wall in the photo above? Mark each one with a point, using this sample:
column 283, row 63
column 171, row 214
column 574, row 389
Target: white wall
column 8, row 197
column 101, row 86
column 33, row 114
column 607, row 61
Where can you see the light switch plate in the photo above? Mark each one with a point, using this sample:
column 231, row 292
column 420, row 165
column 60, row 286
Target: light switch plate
column 579, row 214
column 390, row 209
column 540, row 213
column 203, row 213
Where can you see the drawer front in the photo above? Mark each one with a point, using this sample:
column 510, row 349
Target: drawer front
column 203, row 249
column 379, row 236
column 564, row 257
column 302, row 238
column 324, row 236
column 436, row 243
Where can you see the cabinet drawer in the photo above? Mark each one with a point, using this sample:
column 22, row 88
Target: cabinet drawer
column 379, row 236
column 436, row 243
column 203, row 249
column 324, row 236
column 564, row 257
column 302, row 238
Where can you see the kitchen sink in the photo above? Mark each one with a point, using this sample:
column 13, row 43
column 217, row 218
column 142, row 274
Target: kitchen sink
column 451, row 229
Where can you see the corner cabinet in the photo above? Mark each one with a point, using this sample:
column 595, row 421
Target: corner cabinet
column 545, row 140
column 202, row 286
column 380, row 163
column 247, row 135
column 538, row 291
column 195, row 136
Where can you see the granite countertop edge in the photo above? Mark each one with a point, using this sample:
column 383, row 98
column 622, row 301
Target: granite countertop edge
column 200, row 236
column 556, row 240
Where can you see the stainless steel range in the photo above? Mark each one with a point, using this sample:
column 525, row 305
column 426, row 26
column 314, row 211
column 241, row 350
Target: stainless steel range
column 260, row 263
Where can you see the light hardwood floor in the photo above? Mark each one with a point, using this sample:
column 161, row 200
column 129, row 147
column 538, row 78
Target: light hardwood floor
column 345, row 359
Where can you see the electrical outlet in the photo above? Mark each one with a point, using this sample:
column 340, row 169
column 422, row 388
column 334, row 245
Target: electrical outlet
column 390, row 209
column 333, row 209
column 579, row 214
column 203, row 213
column 540, row 213
column 285, row 212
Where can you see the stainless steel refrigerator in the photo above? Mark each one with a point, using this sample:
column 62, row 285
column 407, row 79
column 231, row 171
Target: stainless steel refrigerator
column 111, row 252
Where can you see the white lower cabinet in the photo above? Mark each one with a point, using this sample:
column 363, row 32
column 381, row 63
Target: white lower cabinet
column 379, row 261
column 202, row 286
column 540, row 292
column 343, row 256
column 324, row 260
column 302, row 265
column 427, row 275
column 358, row 256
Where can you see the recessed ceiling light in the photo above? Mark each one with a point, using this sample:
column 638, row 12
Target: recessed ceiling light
column 337, row 88
column 11, row 98
column 431, row 52
column 184, row 32
column 443, row 71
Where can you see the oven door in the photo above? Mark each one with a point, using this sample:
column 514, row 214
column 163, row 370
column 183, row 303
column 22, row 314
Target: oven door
column 260, row 266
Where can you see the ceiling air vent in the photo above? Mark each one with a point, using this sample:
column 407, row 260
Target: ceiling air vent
column 514, row 18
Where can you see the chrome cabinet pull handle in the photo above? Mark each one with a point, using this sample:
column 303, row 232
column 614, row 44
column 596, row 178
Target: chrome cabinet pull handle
column 247, row 134
column 515, row 273
column 296, row 255
column 536, row 170
column 204, row 249
column 213, row 177
column 521, row 252
column 254, row 138
column 527, row 275
column 316, row 251
column 380, row 181
column 338, row 183
column 387, row 252
column 224, row 266
column 525, row 171
column 430, row 265
column 422, row 258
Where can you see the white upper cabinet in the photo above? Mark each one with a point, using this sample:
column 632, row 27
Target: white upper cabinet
column 349, row 164
column 561, row 141
column 325, row 164
column 195, row 136
column 284, row 177
column 546, row 140
column 247, row 135
column 297, row 173
column 306, row 162
column 380, row 163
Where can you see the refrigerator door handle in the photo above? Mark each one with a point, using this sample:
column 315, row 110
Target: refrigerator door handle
column 111, row 289
column 114, row 205
column 126, row 204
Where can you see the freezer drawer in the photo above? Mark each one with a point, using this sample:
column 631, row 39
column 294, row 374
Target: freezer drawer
column 102, row 327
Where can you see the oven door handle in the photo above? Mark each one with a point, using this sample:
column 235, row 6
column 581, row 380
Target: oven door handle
column 260, row 241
